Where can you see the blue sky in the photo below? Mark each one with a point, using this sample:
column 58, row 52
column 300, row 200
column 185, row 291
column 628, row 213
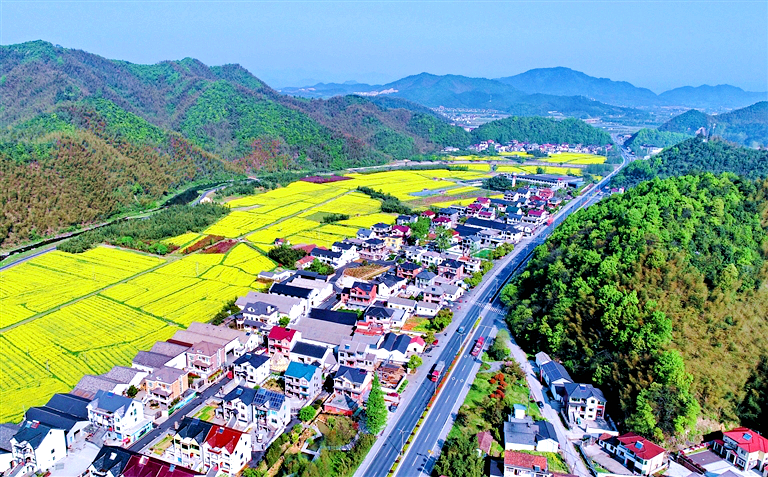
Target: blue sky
column 654, row 44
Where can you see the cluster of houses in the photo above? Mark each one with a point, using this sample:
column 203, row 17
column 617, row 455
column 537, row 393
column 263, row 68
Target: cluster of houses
column 523, row 146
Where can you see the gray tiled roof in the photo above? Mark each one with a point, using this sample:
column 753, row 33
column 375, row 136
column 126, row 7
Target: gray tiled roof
column 122, row 374
column 7, row 431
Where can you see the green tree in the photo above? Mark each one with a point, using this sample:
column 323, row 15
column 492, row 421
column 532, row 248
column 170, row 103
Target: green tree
column 132, row 391
column 375, row 408
column 443, row 238
column 459, row 458
column 308, row 413
column 284, row 321
column 498, row 350
column 286, row 256
column 540, row 170
column 414, row 362
column 442, row 319
column 319, row 267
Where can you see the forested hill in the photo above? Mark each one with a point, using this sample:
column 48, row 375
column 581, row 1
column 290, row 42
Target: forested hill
column 654, row 138
column 658, row 296
column 85, row 138
column 747, row 126
column 696, row 155
column 542, row 131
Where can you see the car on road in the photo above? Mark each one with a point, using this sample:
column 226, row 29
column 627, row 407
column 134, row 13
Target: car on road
column 393, row 408
column 540, row 404
column 436, row 342
column 461, row 329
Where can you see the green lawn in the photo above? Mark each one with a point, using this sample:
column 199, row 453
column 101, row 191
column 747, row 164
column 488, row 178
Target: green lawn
column 206, row 413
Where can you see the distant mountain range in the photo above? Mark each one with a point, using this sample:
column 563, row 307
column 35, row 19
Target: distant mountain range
column 747, row 127
column 568, row 91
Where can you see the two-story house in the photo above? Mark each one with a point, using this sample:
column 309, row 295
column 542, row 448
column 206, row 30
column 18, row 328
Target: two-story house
column 358, row 352
column 63, row 411
column 408, row 270
column 554, row 376
column 406, row 219
column 226, row 450
column 281, row 340
column 352, row 382
column 205, row 358
column 635, row 452
column 378, row 320
column 37, row 447
column 122, row 417
column 260, row 312
column 111, row 461
column 166, row 384
column 451, row 269
column 303, row 381
column 253, row 369
column 424, row 279
column 267, row 410
column 582, row 402
column 359, row 295
column 381, row 229
column 434, row 294
column 187, row 445
column 744, row 448
column 374, row 249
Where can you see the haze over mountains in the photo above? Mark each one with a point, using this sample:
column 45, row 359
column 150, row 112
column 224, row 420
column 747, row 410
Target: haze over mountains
column 537, row 87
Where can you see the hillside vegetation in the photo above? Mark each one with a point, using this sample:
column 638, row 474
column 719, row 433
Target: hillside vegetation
column 654, row 138
column 747, row 126
column 658, row 296
column 86, row 138
column 542, row 131
column 696, row 155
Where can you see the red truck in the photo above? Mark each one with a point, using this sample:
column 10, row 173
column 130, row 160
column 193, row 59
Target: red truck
column 478, row 348
column 434, row 376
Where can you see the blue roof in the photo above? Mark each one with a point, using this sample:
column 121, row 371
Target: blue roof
column 354, row 375
column 290, row 290
column 52, row 418
column 259, row 397
column 331, row 316
column 394, row 342
column 33, row 433
column 195, row 429
column 308, row 349
column 301, row 370
column 256, row 360
column 112, row 402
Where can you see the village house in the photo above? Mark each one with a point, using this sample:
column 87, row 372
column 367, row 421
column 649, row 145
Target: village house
column 521, row 432
column 293, row 308
column 453, row 270
column 636, row 453
column 381, row 229
column 413, row 253
column 226, row 450
column 358, row 352
column 281, row 340
column 582, row 402
column 326, row 327
column 308, row 353
column 205, row 359
column 303, row 381
column 430, row 214
column 394, row 348
column 166, row 385
column 406, row 219
column 323, row 289
column 111, row 461
column 258, row 312
column 408, row 306
column 384, row 318
column 424, row 279
column 554, row 376
column 253, row 369
column 348, row 251
column 519, row 464
column 359, row 295
column 352, row 382
column 374, row 249
column 235, row 342
column 408, row 270
column 744, row 448
column 37, row 447
column 121, row 417
column 434, row 294
column 424, row 308
column 365, row 234
column 268, row 410
column 67, row 412
column 444, row 222
column 187, row 444
column 140, row 465
column 389, row 284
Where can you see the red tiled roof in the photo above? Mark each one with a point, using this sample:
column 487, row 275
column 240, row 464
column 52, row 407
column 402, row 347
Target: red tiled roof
column 484, row 441
column 647, row 450
column 428, row 213
column 278, row 333
column 527, row 461
column 307, row 247
column 402, row 228
column 223, row 438
column 418, row 340
column 754, row 443
column 145, row 466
